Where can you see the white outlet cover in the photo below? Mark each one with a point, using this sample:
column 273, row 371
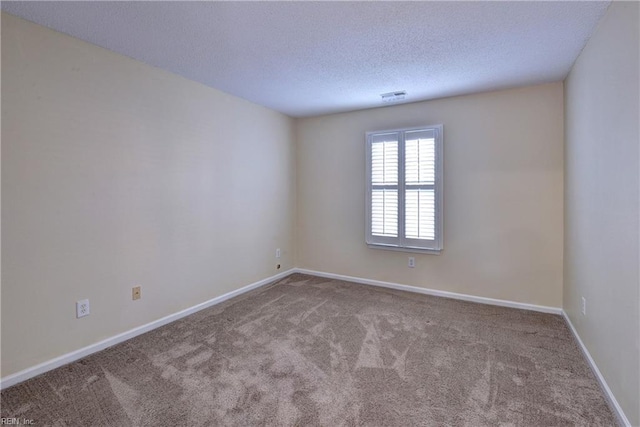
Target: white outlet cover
column 82, row 308
column 278, row 253
column 412, row 262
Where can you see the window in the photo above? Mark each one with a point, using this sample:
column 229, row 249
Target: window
column 404, row 189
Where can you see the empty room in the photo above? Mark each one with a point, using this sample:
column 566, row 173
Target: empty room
column 320, row 213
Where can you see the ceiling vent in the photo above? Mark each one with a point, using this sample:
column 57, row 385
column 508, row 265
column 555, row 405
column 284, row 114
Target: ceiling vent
column 393, row 96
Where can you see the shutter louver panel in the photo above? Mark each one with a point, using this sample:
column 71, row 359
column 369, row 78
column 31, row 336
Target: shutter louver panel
column 420, row 158
column 384, row 213
column 420, row 214
column 384, row 162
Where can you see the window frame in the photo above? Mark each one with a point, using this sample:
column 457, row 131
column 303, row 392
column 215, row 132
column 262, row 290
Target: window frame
column 401, row 243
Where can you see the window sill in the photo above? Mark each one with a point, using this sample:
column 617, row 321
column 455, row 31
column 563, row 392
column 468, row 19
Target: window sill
column 405, row 249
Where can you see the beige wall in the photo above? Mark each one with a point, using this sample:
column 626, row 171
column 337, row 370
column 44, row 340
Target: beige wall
column 601, row 204
column 114, row 174
column 503, row 192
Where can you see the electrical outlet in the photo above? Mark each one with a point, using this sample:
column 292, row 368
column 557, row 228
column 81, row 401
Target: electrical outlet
column 82, row 308
column 584, row 306
column 412, row 262
column 135, row 293
column 278, row 253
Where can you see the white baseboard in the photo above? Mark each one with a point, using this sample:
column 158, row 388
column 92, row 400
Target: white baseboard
column 434, row 292
column 31, row 372
column 622, row 418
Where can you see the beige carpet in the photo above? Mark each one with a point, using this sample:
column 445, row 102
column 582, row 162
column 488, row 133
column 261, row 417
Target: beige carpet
column 310, row 351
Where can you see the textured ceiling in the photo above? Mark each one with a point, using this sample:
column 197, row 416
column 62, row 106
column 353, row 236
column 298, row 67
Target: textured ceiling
column 309, row 58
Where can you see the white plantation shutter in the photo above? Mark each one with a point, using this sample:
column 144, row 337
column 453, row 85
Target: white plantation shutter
column 384, row 186
column 404, row 195
column 420, row 181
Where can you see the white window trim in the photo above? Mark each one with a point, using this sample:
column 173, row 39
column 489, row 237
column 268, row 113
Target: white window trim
column 401, row 243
